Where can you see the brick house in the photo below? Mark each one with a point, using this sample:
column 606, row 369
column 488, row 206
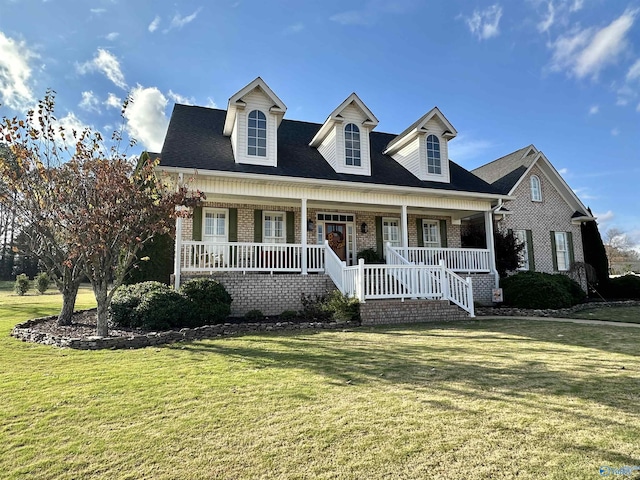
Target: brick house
column 291, row 204
column 543, row 212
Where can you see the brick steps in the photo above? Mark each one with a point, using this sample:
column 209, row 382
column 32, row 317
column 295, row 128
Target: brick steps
column 382, row 312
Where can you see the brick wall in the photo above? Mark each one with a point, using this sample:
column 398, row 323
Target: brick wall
column 483, row 284
column 552, row 214
column 271, row 294
column 383, row 312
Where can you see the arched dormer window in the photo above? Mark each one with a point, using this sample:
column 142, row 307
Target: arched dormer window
column 352, row 155
column 434, row 165
column 536, row 191
column 257, row 134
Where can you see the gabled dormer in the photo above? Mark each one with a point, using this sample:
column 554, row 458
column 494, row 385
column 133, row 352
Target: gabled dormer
column 253, row 117
column 343, row 139
column 423, row 147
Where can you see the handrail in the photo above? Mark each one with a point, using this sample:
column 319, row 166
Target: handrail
column 456, row 259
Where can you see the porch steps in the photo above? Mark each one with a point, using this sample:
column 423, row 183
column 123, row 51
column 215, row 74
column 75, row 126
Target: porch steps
column 394, row 311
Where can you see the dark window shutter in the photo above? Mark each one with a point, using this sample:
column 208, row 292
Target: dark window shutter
column 257, row 226
column 379, row 244
column 196, row 233
column 420, row 233
column 291, row 229
column 233, row 224
column 554, row 253
column 532, row 261
column 570, row 246
column 443, row 233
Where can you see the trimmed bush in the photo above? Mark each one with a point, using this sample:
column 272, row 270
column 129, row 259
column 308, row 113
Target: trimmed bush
column 342, row 307
column 127, row 298
column 254, row 316
column 22, row 284
column 288, row 315
column 540, row 290
column 370, row 256
column 43, row 281
column 164, row 309
column 624, row 287
column 211, row 303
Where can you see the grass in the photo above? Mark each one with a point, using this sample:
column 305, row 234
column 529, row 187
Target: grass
column 612, row 314
column 474, row 400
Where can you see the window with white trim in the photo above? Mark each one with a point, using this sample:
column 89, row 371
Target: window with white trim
column 431, row 233
column 536, row 190
column 523, row 263
column 562, row 251
column 215, row 225
column 274, row 227
column 391, row 231
column 434, row 164
column 352, row 154
column 257, row 134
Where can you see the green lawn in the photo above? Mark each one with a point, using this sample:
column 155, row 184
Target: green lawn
column 473, row 400
column 612, row 314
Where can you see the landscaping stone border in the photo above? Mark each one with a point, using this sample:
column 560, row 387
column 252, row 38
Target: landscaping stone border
column 25, row 332
column 560, row 313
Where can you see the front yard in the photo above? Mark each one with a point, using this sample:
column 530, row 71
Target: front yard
column 478, row 399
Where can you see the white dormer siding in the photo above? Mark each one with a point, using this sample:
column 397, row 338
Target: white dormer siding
column 330, row 139
column 255, row 96
column 409, row 148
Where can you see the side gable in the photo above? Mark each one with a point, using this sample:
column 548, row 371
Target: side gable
column 412, row 148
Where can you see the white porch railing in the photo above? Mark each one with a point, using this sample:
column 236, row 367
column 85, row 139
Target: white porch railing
column 456, row 259
column 248, row 257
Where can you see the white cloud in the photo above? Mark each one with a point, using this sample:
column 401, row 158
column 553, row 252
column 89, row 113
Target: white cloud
column 577, row 5
column 353, row 17
column 634, row 71
column 545, row 25
column 372, row 11
column 113, row 101
column 295, row 28
column 211, row 103
column 177, row 98
column 484, row 23
column 153, row 26
column 604, row 218
column 563, row 171
column 594, row 109
column 585, row 52
column 463, row 148
column 106, row 63
column 89, row 102
column 97, row 11
column 112, row 36
column 146, row 118
column 615, row 132
column 15, row 73
column 177, row 22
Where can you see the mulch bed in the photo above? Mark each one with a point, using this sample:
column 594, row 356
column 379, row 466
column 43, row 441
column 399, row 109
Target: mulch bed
column 83, row 325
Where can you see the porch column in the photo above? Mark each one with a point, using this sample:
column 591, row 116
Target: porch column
column 405, row 231
column 488, row 228
column 177, row 253
column 303, row 235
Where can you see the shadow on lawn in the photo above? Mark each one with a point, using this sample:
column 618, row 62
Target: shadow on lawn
column 414, row 359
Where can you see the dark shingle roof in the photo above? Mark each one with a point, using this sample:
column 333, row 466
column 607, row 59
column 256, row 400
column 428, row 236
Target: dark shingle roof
column 195, row 140
column 505, row 172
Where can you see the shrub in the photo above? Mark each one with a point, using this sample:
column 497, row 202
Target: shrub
column 313, row 308
column 343, row 307
column 211, row 303
column 540, row 290
column 254, row 316
column 43, row 281
column 288, row 315
column 626, row 286
column 22, row 284
column 370, row 256
column 164, row 309
column 127, row 298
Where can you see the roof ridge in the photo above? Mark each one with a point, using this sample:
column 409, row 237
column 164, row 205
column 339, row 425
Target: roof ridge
column 500, row 158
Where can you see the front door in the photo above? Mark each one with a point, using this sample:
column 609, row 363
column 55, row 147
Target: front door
column 336, row 234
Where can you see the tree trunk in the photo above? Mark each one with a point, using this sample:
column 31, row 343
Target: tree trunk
column 69, row 295
column 100, row 290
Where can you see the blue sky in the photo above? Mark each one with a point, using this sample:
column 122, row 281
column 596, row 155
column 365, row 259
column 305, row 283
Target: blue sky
column 561, row 74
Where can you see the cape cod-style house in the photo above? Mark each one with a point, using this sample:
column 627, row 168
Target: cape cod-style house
column 290, row 204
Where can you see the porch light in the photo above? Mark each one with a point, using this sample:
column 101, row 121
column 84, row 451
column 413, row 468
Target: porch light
column 310, row 226
column 364, row 228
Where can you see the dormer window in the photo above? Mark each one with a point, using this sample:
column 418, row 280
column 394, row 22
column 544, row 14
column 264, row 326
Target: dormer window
column 257, row 134
column 434, row 165
column 536, row 191
column 352, row 152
